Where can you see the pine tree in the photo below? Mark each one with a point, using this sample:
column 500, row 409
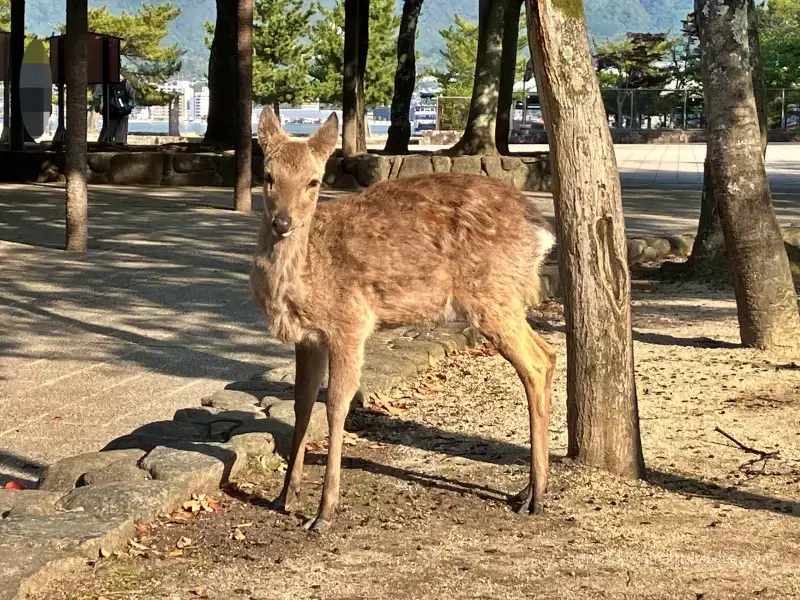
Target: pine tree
column 327, row 49
column 280, row 69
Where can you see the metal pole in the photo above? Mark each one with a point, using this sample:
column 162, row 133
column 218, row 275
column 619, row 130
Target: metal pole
column 633, row 114
column 524, row 103
column 107, row 88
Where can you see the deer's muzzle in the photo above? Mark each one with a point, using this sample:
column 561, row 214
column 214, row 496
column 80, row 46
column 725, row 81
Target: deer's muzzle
column 282, row 224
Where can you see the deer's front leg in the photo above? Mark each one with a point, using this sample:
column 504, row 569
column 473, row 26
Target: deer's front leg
column 311, row 362
column 346, row 357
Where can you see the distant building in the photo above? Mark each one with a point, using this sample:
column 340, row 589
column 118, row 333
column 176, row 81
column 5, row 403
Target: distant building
column 198, row 104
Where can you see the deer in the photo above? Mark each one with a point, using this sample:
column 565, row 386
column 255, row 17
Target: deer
column 405, row 251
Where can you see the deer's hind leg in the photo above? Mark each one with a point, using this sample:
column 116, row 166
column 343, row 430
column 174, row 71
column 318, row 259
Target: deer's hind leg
column 311, row 364
column 534, row 361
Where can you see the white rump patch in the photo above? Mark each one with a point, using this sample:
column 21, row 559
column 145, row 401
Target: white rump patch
column 545, row 240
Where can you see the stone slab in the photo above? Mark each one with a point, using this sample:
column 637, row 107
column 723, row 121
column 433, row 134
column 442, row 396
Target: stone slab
column 196, row 467
column 28, row 502
column 64, row 474
column 139, row 501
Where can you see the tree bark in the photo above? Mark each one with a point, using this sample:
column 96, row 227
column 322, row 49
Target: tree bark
column 222, row 74
column 356, row 45
column 242, row 195
column 405, row 79
column 276, row 108
column 479, row 134
column 508, row 75
column 708, row 251
column 602, row 407
column 75, row 159
column 17, row 133
column 762, row 280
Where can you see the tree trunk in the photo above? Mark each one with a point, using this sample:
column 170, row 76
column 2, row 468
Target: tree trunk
column 356, row 41
column 75, row 159
column 174, row 116
column 405, row 79
column 708, row 251
column 602, row 408
column 765, row 295
column 479, row 134
column 17, row 133
column 276, row 108
column 222, row 73
column 508, row 75
column 242, row 199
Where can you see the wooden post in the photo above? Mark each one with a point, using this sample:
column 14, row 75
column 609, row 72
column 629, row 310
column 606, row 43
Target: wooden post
column 17, row 127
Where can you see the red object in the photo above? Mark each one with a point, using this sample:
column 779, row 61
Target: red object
column 13, row 485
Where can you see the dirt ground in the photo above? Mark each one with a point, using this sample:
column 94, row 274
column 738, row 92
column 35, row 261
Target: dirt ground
column 424, row 510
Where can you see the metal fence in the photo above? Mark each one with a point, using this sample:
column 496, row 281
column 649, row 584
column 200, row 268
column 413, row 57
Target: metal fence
column 632, row 109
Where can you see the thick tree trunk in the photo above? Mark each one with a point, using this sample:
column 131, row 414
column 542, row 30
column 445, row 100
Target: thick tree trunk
column 242, row 199
column 405, row 78
column 602, row 408
column 17, row 133
column 75, row 159
column 508, row 75
column 276, row 108
column 222, row 73
column 765, row 295
column 708, row 251
column 479, row 134
column 356, row 45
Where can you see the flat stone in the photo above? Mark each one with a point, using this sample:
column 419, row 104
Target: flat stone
column 196, row 467
column 121, row 471
column 681, row 245
column 137, row 501
column 390, row 361
column 35, row 550
column 222, row 429
column 280, row 425
column 636, row 247
column 136, row 168
column 63, row 476
column 99, row 161
column 28, row 502
column 197, row 179
column 415, row 165
column 258, row 388
column 421, row 351
column 237, row 400
column 660, row 245
column 200, row 416
column 194, row 162
column 175, row 430
column 493, row 167
column 467, row 164
column 791, row 236
column 372, row 169
column 441, row 164
column 282, row 375
column 253, row 443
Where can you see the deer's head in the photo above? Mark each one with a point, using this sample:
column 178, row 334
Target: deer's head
column 293, row 171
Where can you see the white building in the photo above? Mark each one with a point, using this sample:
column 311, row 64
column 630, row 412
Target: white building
column 198, row 104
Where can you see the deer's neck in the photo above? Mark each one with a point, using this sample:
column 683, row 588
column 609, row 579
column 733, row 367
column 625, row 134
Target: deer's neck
column 282, row 266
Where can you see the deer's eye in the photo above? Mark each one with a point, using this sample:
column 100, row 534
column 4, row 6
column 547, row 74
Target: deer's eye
column 314, row 183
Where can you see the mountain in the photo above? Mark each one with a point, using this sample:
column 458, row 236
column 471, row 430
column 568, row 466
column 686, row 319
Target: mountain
column 606, row 18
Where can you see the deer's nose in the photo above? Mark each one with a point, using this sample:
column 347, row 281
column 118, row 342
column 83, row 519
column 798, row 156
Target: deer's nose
column 282, row 224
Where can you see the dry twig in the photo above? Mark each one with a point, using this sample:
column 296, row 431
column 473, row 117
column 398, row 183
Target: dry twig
column 763, row 455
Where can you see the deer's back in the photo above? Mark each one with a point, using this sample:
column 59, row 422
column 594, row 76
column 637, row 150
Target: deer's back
column 418, row 243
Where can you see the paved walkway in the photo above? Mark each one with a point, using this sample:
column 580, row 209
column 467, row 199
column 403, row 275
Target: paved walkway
column 158, row 314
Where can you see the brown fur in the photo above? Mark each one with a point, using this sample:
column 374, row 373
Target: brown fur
column 404, row 251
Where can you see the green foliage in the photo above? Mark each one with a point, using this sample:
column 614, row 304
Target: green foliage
column 280, row 68
column 5, row 15
column 145, row 61
column 327, row 49
column 635, row 62
column 780, row 43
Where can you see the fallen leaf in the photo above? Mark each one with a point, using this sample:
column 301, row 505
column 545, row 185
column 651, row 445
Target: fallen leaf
column 238, row 535
column 105, row 553
column 142, row 529
column 137, row 545
column 200, row 592
column 192, row 505
column 176, row 553
column 244, row 525
column 183, row 542
column 13, row 485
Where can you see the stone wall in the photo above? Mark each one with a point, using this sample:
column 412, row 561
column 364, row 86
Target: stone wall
column 619, row 136
column 218, row 169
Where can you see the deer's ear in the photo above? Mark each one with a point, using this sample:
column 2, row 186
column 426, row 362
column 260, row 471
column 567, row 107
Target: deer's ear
column 269, row 128
column 323, row 142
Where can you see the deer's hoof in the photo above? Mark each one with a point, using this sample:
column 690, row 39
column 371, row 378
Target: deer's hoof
column 279, row 505
column 524, row 502
column 317, row 526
